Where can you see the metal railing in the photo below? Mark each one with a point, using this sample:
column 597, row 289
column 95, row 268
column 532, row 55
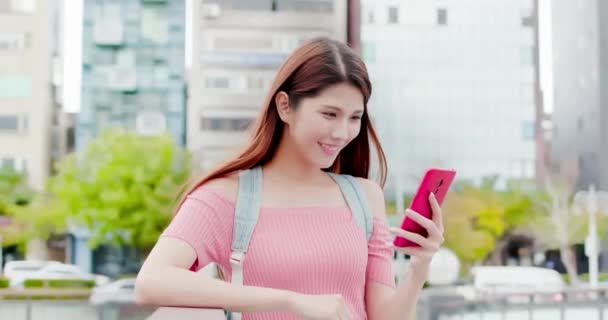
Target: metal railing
column 569, row 304
column 73, row 303
column 83, row 310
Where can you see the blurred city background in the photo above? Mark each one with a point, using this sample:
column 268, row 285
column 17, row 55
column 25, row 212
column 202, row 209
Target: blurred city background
column 109, row 107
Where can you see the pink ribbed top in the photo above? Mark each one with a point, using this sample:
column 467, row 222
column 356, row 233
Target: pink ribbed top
column 312, row 250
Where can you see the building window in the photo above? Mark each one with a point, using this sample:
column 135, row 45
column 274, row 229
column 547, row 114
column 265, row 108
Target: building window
column 18, row 164
column 18, row 6
column 150, row 123
column 527, row 21
column 122, row 78
column 155, row 23
column 24, row 6
column 9, row 123
column 393, row 15
column 7, row 163
column 152, row 100
column 527, row 16
column 15, row 86
column 256, row 82
column 238, row 43
column 241, row 124
column 212, row 82
column 527, row 56
column 442, row 16
column 14, row 41
column 225, row 124
column 528, row 130
column 107, row 24
column 369, row 51
column 370, row 16
column 322, row 6
column 248, row 5
column 104, row 56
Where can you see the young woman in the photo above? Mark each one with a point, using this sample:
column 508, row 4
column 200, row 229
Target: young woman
column 307, row 258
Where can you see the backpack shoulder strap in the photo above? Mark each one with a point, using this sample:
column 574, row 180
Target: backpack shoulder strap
column 246, row 215
column 247, row 208
column 356, row 200
column 245, row 218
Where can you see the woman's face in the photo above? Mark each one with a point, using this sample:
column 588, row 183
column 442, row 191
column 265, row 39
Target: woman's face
column 321, row 126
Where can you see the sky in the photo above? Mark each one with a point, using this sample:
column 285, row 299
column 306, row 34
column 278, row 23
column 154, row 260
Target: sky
column 72, row 50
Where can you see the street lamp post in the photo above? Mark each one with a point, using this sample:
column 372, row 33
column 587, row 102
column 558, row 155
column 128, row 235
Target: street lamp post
column 592, row 200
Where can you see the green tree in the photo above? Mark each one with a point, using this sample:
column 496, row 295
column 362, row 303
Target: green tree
column 560, row 224
column 123, row 187
column 13, row 190
column 41, row 218
column 14, row 194
column 477, row 217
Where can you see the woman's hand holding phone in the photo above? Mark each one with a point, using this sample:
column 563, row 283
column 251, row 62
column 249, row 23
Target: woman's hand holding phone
column 422, row 254
column 421, row 232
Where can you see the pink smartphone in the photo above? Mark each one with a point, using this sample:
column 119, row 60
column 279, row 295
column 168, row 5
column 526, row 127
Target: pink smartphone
column 437, row 181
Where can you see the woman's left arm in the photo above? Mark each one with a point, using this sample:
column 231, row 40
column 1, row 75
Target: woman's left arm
column 384, row 302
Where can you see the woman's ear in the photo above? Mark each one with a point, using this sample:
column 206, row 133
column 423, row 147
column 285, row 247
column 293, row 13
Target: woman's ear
column 281, row 100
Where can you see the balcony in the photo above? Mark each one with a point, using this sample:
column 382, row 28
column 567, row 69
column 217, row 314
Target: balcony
column 222, row 15
column 108, row 32
column 149, row 123
column 122, row 78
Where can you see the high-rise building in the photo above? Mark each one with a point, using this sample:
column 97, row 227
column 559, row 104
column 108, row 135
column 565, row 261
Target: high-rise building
column 26, row 103
column 133, row 71
column 580, row 89
column 237, row 48
column 132, row 68
column 454, row 85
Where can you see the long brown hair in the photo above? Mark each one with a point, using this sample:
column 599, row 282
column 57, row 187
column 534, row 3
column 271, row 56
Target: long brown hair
column 312, row 67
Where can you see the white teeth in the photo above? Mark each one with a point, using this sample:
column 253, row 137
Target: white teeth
column 329, row 147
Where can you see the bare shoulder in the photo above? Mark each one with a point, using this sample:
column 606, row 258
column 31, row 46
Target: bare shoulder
column 374, row 192
column 226, row 186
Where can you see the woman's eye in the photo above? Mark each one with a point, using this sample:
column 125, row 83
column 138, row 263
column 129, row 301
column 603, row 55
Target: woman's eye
column 356, row 118
column 329, row 114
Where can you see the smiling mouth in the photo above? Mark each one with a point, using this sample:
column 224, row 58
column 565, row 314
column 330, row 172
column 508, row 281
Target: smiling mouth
column 329, row 149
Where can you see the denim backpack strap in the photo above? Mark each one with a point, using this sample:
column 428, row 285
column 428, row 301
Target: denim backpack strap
column 246, row 215
column 357, row 201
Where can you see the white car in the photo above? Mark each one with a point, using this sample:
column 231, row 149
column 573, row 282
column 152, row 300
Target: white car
column 122, row 291
column 516, row 282
column 59, row 271
column 23, row 268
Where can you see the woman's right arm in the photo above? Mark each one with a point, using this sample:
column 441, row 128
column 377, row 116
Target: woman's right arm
column 165, row 280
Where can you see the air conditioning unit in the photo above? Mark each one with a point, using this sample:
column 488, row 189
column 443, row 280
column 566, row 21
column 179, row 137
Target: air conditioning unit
column 149, row 123
column 211, row 10
column 108, row 32
column 122, row 79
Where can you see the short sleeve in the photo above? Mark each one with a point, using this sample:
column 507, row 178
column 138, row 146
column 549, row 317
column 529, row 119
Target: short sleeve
column 204, row 222
column 380, row 256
